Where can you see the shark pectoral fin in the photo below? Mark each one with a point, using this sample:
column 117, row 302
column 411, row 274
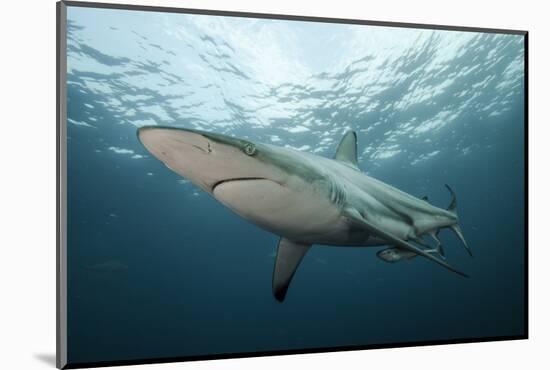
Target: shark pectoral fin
column 347, row 150
column 359, row 220
column 289, row 256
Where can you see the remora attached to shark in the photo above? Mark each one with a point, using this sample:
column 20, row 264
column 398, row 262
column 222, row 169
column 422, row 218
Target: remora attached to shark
column 304, row 198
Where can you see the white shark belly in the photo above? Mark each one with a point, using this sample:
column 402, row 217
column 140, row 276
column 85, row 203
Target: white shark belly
column 301, row 216
column 305, row 217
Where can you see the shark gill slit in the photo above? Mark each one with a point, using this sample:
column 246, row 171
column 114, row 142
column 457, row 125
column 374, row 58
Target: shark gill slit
column 337, row 195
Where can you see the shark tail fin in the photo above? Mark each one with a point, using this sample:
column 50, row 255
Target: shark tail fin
column 455, row 227
column 452, row 205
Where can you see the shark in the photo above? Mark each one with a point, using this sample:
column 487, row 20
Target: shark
column 304, row 198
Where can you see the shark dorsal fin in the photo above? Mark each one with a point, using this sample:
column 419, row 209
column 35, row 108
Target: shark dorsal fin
column 347, row 149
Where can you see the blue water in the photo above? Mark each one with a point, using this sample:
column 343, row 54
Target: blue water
column 157, row 268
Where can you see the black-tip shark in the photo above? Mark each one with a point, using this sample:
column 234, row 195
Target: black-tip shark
column 304, row 198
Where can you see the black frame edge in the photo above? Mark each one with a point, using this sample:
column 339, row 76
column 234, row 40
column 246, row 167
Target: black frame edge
column 61, row 116
column 287, row 17
column 223, row 356
column 61, row 251
column 526, row 180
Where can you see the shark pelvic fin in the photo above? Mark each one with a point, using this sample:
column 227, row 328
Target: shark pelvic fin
column 289, row 256
column 439, row 246
column 347, row 150
column 419, row 241
column 355, row 217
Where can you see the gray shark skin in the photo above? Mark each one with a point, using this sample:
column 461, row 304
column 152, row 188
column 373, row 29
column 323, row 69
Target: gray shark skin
column 304, row 198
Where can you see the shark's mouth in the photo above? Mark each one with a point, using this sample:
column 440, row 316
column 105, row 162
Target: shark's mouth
column 224, row 181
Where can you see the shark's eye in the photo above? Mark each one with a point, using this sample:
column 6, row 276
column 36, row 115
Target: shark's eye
column 249, row 149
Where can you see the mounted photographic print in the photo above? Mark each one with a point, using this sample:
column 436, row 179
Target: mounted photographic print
column 236, row 184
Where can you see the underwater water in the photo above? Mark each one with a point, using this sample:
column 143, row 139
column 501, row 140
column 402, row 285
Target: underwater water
column 157, row 268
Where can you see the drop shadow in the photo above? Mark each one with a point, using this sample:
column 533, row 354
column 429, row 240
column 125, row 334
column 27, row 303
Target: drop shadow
column 46, row 358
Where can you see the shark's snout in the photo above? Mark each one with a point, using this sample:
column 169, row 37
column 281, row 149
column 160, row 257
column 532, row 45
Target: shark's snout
column 168, row 144
column 207, row 159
